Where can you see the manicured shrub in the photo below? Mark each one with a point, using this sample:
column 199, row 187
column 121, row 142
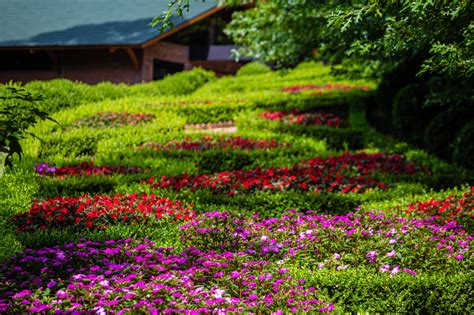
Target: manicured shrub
column 361, row 291
column 464, row 146
column 196, row 114
column 441, row 131
column 219, row 161
column 252, row 68
column 61, row 93
column 336, row 138
column 181, row 83
column 50, row 187
column 409, row 117
column 70, row 145
column 112, row 119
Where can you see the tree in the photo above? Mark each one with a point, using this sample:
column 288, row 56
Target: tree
column 367, row 38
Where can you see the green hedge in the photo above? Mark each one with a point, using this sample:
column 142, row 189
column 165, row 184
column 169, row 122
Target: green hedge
column 441, row 132
column 409, row 117
column 370, row 291
column 61, row 93
column 253, row 68
column 464, row 146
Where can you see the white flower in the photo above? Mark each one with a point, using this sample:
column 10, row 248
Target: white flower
column 218, row 293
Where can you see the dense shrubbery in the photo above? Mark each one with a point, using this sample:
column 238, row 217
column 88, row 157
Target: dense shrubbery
column 61, row 93
column 252, row 68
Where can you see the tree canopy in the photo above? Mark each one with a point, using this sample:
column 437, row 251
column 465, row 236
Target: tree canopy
column 366, row 38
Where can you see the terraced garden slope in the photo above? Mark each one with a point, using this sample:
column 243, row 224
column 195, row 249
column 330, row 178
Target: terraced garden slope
column 121, row 209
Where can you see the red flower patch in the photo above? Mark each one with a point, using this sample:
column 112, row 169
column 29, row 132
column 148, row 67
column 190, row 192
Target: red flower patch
column 460, row 209
column 207, row 142
column 330, row 87
column 298, row 117
column 85, row 169
column 96, row 212
column 112, row 119
column 345, row 173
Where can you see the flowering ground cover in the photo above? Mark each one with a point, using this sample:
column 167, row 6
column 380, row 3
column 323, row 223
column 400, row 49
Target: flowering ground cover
column 386, row 243
column 209, row 142
column 112, row 119
column 85, row 169
column 345, row 173
column 231, row 264
column 299, row 117
column 96, row 212
column 129, row 276
column 459, row 209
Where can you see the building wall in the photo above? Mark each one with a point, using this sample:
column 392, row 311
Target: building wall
column 97, row 65
column 166, row 52
column 90, row 66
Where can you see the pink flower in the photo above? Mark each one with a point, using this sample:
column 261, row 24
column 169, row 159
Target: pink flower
column 459, row 257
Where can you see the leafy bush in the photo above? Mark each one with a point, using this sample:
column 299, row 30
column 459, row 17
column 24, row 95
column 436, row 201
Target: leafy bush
column 18, row 112
column 464, row 146
column 251, row 68
column 442, row 130
column 408, row 115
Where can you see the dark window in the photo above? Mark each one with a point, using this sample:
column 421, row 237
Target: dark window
column 162, row 68
column 24, row 60
column 198, row 52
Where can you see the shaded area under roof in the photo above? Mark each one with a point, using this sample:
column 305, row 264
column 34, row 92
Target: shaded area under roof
column 36, row 23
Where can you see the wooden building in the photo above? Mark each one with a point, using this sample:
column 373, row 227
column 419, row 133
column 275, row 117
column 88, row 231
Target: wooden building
column 108, row 40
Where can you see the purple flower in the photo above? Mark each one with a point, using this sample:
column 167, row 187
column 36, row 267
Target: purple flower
column 459, row 257
column 394, row 271
column 62, row 294
column 384, row 268
column 253, row 297
column 391, row 253
column 372, row 255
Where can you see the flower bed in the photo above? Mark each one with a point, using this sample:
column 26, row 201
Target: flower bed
column 208, row 142
column 112, row 119
column 345, row 173
column 96, row 212
column 460, row 209
column 298, row 117
column 85, row 169
column 127, row 276
column 386, row 243
column 324, row 87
